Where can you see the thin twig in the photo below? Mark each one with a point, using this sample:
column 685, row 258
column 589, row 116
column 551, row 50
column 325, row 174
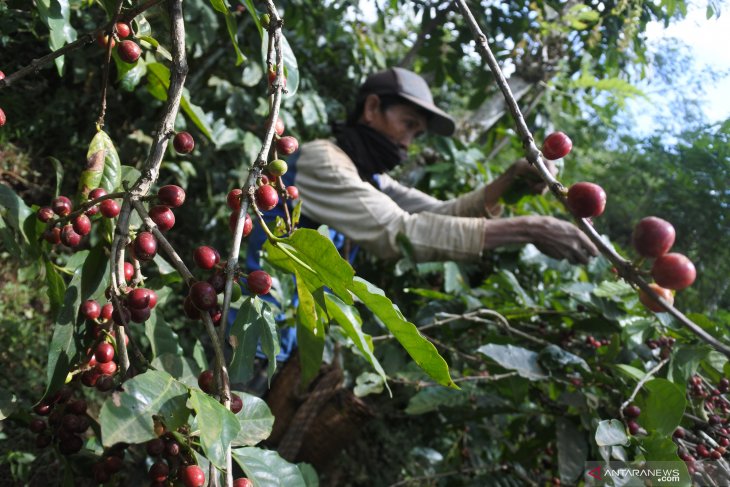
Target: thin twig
column 82, row 40
column 261, row 159
column 624, row 267
column 641, row 383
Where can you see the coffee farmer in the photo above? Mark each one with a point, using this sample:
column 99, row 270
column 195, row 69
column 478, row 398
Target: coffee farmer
column 344, row 184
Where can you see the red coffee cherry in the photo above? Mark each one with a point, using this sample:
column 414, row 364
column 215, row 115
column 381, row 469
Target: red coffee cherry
column 90, row 309
column 77, row 407
column 123, row 29
column 163, row 217
column 104, row 352
column 2, row 76
column 102, row 40
column 69, row 237
column 145, row 246
column 183, row 143
column 171, row 195
column 52, row 235
column 259, row 282
column 192, row 476
column 45, row 214
column 632, row 411
column 272, row 78
column 68, row 445
column 106, row 311
column 218, row 281
column 155, row 447
column 139, row 298
column 633, row 427
column 82, row 224
column 205, row 257
column 266, row 197
column 62, row 206
column 556, row 146
column 673, row 271
column 109, row 208
column 97, row 193
column 287, row 145
column 129, row 51
column 279, row 126
column 189, row 308
column 236, row 403
column 128, row 271
column 139, row 315
column 3, row 117
column 586, row 200
column 247, row 223
column 37, row 425
column 106, row 368
column 665, row 294
column 159, row 472
column 242, row 482
column 233, row 200
column 206, row 381
column 153, row 298
column 203, row 295
column 653, row 237
column 293, row 192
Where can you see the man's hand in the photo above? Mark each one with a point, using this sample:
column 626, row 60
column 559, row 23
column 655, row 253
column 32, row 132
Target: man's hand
column 556, row 238
column 523, row 172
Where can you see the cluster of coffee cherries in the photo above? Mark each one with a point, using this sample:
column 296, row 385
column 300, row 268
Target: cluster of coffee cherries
column 663, row 345
column 631, row 412
column 652, row 237
column 592, row 341
column 206, row 382
column 128, row 50
column 67, row 421
column 67, row 226
column 144, row 245
column 172, row 462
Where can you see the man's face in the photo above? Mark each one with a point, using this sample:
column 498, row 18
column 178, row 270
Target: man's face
column 400, row 123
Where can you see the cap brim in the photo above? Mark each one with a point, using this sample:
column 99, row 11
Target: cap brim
column 439, row 122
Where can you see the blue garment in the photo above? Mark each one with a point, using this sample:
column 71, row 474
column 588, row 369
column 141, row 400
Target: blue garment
column 256, row 240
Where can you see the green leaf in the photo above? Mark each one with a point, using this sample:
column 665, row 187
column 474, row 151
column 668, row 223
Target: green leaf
column 128, row 416
column 158, row 82
column 103, row 168
column 431, row 398
column 418, row 347
column 630, row 371
column 572, row 450
column 316, row 260
column 309, row 474
column 611, row 432
column 255, row 419
column 58, row 169
column 56, row 14
column 254, row 322
column 95, row 277
column 129, row 75
column 553, row 358
column 310, row 334
column 217, row 425
column 181, row 368
column 221, row 6
column 611, row 289
column 63, row 344
column 368, row 383
column 348, row 318
column 56, row 287
column 266, row 468
column 255, row 16
column 163, row 340
column 660, row 448
column 662, row 406
column 14, row 209
column 519, row 359
column 8, row 404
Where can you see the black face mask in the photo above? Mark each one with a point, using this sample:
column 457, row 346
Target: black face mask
column 372, row 152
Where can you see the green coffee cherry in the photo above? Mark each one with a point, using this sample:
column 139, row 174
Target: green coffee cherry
column 265, row 20
column 277, row 167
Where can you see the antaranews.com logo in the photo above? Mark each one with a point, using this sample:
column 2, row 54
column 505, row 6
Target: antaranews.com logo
column 640, row 474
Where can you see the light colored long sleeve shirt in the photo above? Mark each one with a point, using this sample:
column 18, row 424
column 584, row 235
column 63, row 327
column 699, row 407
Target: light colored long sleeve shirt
column 333, row 194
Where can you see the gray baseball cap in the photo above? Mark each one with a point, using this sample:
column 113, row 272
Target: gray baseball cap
column 411, row 87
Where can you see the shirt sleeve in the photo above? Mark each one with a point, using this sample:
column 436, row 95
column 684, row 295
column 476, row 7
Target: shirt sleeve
column 471, row 204
column 333, row 194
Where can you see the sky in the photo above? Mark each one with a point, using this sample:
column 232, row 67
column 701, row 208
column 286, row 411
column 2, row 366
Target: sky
column 709, row 41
